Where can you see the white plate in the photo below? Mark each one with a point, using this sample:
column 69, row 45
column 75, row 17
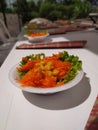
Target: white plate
column 13, row 75
column 36, row 38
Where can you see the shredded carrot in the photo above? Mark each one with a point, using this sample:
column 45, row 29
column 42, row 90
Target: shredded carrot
column 45, row 73
column 34, row 34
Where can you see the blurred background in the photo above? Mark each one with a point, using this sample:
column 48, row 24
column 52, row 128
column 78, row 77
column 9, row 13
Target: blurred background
column 16, row 13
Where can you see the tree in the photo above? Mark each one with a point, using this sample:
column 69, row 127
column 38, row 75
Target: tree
column 94, row 2
column 45, row 9
column 67, row 2
column 31, row 5
column 81, row 9
column 39, row 4
column 51, row 1
column 21, row 8
column 3, row 7
column 33, row 9
column 52, row 9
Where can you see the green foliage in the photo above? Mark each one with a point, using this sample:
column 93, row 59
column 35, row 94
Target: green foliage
column 75, row 62
column 38, row 5
column 22, row 8
column 3, row 5
column 54, row 15
column 51, row 1
column 45, row 9
column 50, row 9
column 82, row 10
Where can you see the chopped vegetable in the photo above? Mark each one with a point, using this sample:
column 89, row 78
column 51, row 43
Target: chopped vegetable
column 35, row 34
column 48, row 71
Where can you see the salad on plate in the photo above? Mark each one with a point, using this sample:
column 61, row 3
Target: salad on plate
column 40, row 71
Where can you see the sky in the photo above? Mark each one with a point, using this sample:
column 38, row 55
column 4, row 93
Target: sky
column 11, row 1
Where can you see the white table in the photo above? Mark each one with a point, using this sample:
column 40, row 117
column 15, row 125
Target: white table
column 67, row 110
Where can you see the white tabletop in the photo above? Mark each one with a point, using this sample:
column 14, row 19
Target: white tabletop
column 67, row 110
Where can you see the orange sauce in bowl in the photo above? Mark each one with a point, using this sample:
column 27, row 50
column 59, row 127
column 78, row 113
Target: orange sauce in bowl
column 37, row 34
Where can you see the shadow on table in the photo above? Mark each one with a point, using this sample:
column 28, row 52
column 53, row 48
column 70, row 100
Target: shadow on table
column 61, row 100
